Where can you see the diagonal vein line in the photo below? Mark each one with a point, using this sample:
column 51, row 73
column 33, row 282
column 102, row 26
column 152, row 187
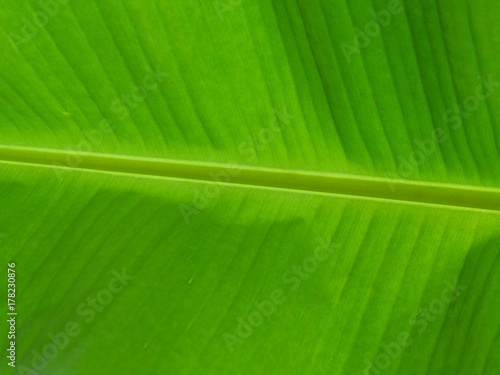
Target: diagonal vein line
column 477, row 197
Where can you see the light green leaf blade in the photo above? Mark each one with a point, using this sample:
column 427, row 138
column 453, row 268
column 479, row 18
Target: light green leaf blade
column 294, row 187
column 347, row 277
column 221, row 76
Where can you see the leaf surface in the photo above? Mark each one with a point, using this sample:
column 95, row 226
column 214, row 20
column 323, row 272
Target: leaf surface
column 269, row 187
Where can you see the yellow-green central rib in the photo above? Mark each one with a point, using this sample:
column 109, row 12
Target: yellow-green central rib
column 372, row 187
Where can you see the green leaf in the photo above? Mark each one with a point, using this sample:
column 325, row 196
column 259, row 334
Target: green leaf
column 236, row 187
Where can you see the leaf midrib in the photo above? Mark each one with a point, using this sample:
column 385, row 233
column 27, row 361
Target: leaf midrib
column 475, row 197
